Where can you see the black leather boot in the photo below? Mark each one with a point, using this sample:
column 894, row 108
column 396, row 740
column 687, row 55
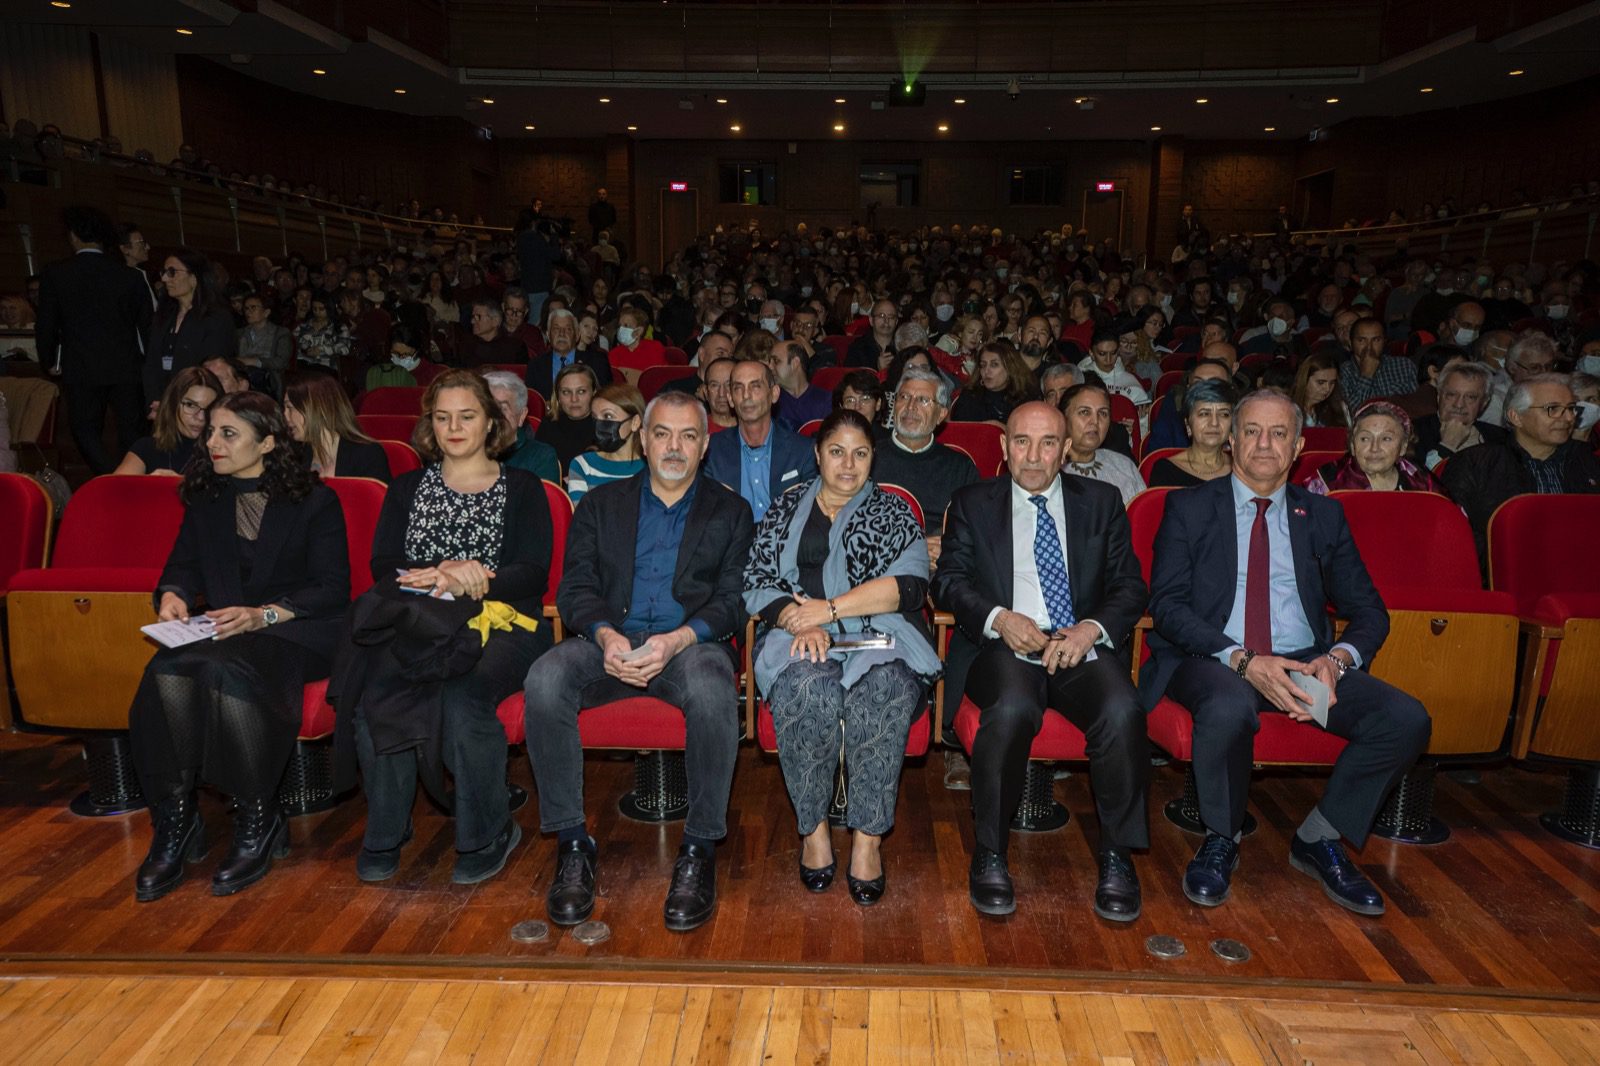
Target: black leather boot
column 260, row 835
column 180, row 837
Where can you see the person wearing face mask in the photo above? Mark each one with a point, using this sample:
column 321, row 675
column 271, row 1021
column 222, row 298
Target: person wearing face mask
column 617, row 452
column 944, row 314
column 770, row 317
column 1462, row 325
column 1435, row 306
column 1275, row 336
column 1586, row 387
column 634, row 351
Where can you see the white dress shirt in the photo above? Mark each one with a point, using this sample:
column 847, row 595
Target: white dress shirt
column 1027, row 598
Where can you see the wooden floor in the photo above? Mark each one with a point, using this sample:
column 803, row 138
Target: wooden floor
column 1491, row 943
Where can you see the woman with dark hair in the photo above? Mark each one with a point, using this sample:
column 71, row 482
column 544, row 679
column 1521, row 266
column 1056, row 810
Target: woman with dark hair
column 841, row 558
column 442, row 299
column 1208, row 417
column 418, row 691
column 320, row 417
column 861, row 391
column 1316, row 388
column 998, row 384
column 180, row 419
column 262, row 545
column 568, row 426
column 322, row 339
column 192, row 322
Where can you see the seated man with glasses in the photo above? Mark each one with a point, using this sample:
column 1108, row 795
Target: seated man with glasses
column 875, row 348
column 1540, row 455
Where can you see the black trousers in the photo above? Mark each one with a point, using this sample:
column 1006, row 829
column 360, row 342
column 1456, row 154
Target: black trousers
column 86, row 417
column 1386, row 728
column 1099, row 699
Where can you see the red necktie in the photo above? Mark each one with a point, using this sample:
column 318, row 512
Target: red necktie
column 1258, row 585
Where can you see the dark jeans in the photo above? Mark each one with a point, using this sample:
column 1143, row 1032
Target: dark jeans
column 474, row 750
column 1386, row 728
column 86, row 417
column 1099, row 699
column 699, row 681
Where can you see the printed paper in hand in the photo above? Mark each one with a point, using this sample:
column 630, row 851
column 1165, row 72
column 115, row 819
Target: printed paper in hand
column 177, row 634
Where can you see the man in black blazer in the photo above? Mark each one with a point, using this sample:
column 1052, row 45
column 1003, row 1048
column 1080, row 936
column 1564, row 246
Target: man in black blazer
column 561, row 332
column 1245, row 567
column 651, row 593
column 93, row 310
column 1049, row 625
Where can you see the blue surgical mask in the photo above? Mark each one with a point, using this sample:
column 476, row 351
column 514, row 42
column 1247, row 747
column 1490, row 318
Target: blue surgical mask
column 627, row 335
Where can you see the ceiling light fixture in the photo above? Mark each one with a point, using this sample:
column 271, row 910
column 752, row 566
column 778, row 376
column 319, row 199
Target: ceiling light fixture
column 487, row 100
column 722, row 99
column 527, row 127
column 1080, row 99
column 605, row 99
column 961, row 99
column 838, row 99
column 1155, row 129
column 60, row 3
column 185, row 32
column 399, row 92
column 1516, row 73
column 1331, row 100
column 735, row 127
column 1426, row 89
column 1201, row 100
column 633, row 129
column 318, row 70
column 1269, row 129
column 838, row 127
column 944, row 127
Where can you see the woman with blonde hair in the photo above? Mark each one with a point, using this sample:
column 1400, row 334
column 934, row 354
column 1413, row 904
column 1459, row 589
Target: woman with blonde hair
column 321, row 418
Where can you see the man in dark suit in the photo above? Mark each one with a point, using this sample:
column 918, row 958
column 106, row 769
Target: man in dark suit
column 651, row 593
column 1049, row 624
column 93, row 310
column 561, row 333
column 1245, row 567
column 758, row 458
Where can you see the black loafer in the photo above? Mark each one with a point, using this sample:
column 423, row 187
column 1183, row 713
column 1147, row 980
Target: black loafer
column 480, row 865
column 571, row 896
column 817, row 878
column 692, row 897
column 1206, row 881
column 1117, row 897
column 866, row 893
column 373, row 865
column 989, row 884
column 1342, row 881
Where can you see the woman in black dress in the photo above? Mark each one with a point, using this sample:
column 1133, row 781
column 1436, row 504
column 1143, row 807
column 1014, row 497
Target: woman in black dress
column 262, row 547
column 180, row 419
column 1207, row 417
column 192, row 321
column 320, row 417
column 569, row 426
column 480, row 530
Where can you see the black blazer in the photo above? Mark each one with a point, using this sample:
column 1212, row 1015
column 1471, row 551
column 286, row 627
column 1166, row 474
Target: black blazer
column 975, row 573
column 302, row 561
column 201, row 337
column 360, row 458
column 1196, row 569
column 529, row 538
column 542, row 367
column 96, row 310
column 708, row 581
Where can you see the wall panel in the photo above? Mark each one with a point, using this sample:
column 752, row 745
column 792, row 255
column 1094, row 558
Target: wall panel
column 142, row 106
column 47, row 75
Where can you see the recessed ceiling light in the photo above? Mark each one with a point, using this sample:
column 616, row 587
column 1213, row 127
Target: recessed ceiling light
column 1516, row 73
column 961, row 99
column 185, row 32
column 1331, row 100
column 1155, row 129
column 605, row 99
column 1201, row 100
column 944, row 127
column 527, row 127
column 60, row 3
column 488, row 100
column 838, row 99
column 399, row 92
column 1269, row 129
column 318, row 70
column 722, row 99
column 838, row 127
column 735, row 127
column 1079, row 99
column 1426, row 89
column 633, row 129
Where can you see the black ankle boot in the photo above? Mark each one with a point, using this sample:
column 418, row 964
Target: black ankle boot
column 180, row 836
column 259, row 835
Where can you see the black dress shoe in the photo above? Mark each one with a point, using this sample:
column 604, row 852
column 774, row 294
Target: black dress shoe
column 989, row 884
column 474, row 866
column 180, row 837
column 1117, row 896
column 866, row 893
column 571, row 896
column 1206, row 880
column 1342, row 881
column 374, row 865
column 260, row 834
column 817, row 878
column 692, row 897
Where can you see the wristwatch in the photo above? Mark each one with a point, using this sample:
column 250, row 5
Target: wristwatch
column 270, row 616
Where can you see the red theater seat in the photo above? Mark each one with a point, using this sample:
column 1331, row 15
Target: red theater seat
column 402, row 457
column 984, row 442
column 1326, row 438
column 652, row 381
column 828, row 377
column 393, row 400
column 25, row 519
column 389, row 427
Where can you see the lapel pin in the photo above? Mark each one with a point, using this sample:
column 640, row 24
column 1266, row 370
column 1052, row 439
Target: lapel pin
column 1300, row 511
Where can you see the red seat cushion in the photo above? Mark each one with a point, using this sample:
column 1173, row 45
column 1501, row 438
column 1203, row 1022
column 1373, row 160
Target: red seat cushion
column 1448, row 600
column 316, row 714
column 640, row 722
column 510, row 714
column 1058, row 740
column 1556, row 608
column 917, row 740
column 88, row 579
column 1281, row 739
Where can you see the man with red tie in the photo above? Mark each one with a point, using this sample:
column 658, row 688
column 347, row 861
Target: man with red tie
column 1245, row 567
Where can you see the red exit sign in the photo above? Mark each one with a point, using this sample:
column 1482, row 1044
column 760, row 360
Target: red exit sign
column 678, row 186
column 1105, row 186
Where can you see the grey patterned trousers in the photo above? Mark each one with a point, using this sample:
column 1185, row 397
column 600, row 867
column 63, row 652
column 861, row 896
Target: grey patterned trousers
column 809, row 701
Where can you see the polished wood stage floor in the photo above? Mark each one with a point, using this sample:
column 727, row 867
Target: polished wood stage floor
column 1498, row 928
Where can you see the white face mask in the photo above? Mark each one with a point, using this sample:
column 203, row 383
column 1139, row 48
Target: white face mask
column 627, row 335
column 1465, row 336
column 805, row 290
column 1589, row 364
column 406, row 362
column 1166, row 302
column 944, row 312
column 1001, row 272
column 1277, row 327
column 1235, row 298
column 855, row 308
column 1556, row 312
column 770, row 325
column 1588, row 415
column 1445, row 291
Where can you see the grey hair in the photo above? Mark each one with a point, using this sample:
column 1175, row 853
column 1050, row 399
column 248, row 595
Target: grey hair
column 678, row 398
column 910, row 335
column 1476, row 371
column 1582, row 381
column 922, row 373
column 1520, row 398
column 1055, row 370
column 562, row 314
column 491, row 306
column 1276, row 397
column 1532, row 341
column 505, row 379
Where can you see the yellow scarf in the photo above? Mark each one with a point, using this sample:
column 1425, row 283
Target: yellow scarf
column 499, row 615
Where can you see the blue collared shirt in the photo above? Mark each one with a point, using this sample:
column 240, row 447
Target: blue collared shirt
column 559, row 362
column 655, row 558
column 755, row 473
column 1291, row 630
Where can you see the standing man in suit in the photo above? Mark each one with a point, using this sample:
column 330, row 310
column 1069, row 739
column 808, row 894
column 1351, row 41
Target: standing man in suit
column 760, row 459
column 651, row 592
column 1039, row 571
column 93, row 312
column 1245, row 567
column 561, row 333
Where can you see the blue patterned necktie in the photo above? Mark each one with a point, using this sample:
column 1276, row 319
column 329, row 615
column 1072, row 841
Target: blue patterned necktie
column 1052, row 568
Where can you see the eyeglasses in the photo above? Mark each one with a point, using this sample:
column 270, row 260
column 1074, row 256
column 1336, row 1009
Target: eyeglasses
column 1556, row 410
column 172, row 272
column 190, row 407
column 911, row 400
column 855, row 403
